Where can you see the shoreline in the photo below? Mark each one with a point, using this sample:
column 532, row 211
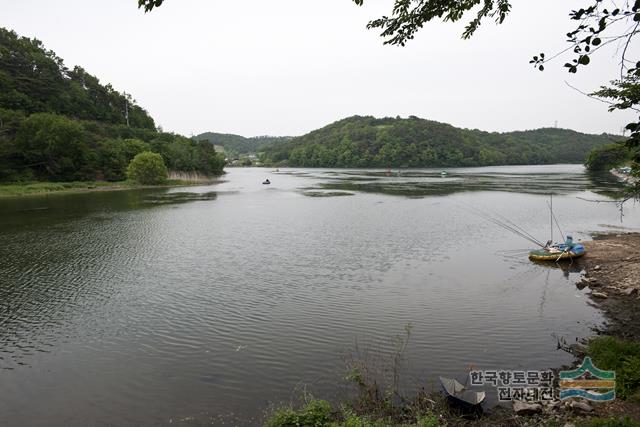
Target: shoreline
column 43, row 188
column 611, row 270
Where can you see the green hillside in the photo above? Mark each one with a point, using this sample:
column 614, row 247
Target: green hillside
column 413, row 142
column 61, row 124
column 235, row 145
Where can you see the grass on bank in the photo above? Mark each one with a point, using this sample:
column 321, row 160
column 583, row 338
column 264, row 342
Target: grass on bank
column 317, row 413
column 320, row 413
column 623, row 357
column 35, row 188
column 610, row 422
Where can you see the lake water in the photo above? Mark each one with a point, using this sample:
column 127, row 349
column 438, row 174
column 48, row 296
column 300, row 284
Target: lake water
column 204, row 305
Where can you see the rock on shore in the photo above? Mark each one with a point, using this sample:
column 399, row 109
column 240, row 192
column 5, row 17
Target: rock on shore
column 612, row 272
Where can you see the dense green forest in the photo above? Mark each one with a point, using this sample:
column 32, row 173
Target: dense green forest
column 235, row 145
column 413, row 142
column 58, row 124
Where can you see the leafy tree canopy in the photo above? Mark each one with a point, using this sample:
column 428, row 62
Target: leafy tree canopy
column 409, row 16
column 148, row 5
column 147, row 168
column 53, row 146
column 608, row 156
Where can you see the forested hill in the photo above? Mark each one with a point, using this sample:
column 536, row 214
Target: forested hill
column 34, row 79
column 235, row 144
column 62, row 124
column 413, row 142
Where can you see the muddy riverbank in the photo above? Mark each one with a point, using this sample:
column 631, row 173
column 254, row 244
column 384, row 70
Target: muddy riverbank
column 612, row 272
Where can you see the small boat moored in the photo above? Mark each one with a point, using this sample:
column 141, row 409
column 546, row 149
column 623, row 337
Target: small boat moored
column 461, row 395
column 558, row 251
column 266, row 182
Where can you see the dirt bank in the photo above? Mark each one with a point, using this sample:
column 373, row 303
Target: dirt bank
column 612, row 272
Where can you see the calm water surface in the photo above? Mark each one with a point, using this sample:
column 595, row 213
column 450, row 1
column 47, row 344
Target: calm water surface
column 205, row 305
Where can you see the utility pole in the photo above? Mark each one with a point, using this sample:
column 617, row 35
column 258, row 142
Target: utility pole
column 126, row 108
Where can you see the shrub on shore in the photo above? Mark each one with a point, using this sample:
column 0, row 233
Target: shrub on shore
column 147, row 168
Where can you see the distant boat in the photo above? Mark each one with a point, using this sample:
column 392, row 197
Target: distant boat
column 444, row 173
column 266, row 182
column 461, row 395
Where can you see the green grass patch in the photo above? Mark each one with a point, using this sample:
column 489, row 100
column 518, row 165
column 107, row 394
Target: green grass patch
column 610, row 422
column 28, row 188
column 35, row 188
column 315, row 413
column 319, row 413
column 623, row 357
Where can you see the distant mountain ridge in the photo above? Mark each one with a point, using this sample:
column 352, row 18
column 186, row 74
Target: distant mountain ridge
column 235, row 145
column 414, row 142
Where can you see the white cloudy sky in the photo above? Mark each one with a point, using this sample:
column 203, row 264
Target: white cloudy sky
column 285, row 67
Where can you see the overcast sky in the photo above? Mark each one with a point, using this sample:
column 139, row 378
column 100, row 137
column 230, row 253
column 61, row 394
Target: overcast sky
column 286, row 67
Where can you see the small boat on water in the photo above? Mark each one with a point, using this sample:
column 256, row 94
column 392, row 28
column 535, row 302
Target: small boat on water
column 461, row 395
column 558, row 251
column 566, row 250
column 266, row 182
column 443, row 173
